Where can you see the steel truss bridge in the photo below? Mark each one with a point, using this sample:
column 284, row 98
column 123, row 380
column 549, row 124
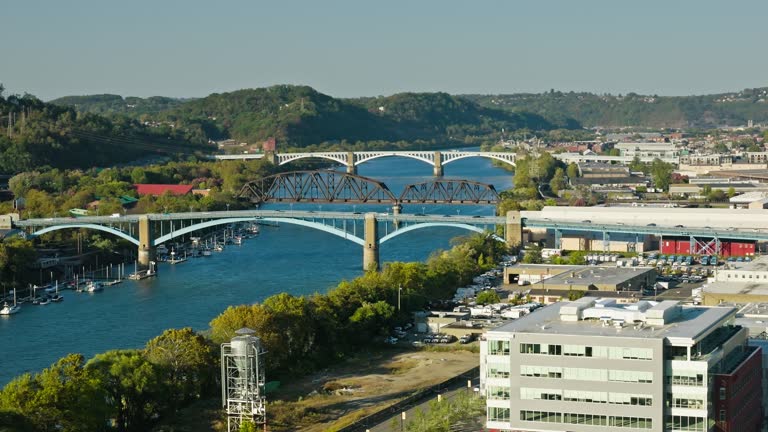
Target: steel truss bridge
column 338, row 187
column 434, row 158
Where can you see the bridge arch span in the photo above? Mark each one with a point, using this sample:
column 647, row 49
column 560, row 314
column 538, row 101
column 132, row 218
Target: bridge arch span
column 318, row 226
column 96, row 227
column 465, row 155
column 409, row 228
column 290, row 157
column 426, row 157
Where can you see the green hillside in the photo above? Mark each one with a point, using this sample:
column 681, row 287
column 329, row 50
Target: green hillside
column 130, row 106
column 299, row 116
column 43, row 134
column 638, row 110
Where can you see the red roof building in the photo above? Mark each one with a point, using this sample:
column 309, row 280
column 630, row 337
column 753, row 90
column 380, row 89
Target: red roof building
column 159, row 189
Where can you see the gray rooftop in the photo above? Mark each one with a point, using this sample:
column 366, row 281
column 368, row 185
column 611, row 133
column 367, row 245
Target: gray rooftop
column 692, row 322
column 596, row 275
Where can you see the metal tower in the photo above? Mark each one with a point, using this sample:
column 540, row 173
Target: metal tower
column 242, row 380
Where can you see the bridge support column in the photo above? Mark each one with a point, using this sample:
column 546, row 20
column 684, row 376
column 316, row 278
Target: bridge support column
column 371, row 247
column 146, row 250
column 396, row 209
column 514, row 231
column 351, row 168
column 271, row 157
column 438, row 171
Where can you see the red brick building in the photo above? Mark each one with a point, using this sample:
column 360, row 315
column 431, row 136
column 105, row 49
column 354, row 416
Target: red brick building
column 737, row 392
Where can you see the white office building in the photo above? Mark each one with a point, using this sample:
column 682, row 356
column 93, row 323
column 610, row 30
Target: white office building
column 595, row 365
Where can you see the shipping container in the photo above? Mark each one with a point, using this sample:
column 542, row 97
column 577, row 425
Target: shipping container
column 668, row 247
column 683, row 247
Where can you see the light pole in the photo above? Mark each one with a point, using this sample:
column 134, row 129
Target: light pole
column 227, row 208
column 423, row 212
column 399, row 290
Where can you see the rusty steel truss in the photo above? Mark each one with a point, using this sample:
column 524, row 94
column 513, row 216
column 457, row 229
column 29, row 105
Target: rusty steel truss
column 339, row 187
column 449, row 192
column 317, row 186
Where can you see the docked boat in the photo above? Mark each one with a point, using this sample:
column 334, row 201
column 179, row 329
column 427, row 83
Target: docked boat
column 219, row 247
column 44, row 301
column 57, row 298
column 94, row 287
column 207, row 252
column 238, row 240
column 8, row 309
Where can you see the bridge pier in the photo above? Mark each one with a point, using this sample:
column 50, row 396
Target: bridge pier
column 514, row 231
column 351, row 167
column 396, row 209
column 371, row 247
column 146, row 249
column 438, row 170
column 271, row 157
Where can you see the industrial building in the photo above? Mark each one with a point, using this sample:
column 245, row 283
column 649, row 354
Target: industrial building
column 712, row 246
column 595, row 365
column 741, row 284
column 580, row 278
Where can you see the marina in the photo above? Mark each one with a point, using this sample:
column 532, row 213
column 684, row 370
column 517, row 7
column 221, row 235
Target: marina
column 192, row 293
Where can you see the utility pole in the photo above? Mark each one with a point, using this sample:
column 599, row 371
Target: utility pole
column 399, row 290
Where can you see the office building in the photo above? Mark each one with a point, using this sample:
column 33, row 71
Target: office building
column 595, row 365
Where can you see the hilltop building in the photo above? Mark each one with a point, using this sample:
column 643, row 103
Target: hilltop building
column 595, row 365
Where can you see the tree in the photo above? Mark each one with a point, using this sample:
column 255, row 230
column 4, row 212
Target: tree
column 573, row 170
column 247, row 426
column 488, row 297
column 721, row 148
column 637, row 166
column 533, row 256
column 135, row 393
column 64, row 397
column 558, row 181
column 731, row 192
column 372, row 319
column 185, row 360
column 614, row 152
column 661, row 173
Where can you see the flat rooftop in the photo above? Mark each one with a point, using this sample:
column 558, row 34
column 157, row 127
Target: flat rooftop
column 597, row 275
column 740, row 288
column 690, row 323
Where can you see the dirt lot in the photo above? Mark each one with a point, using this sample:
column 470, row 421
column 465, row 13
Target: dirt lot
column 362, row 385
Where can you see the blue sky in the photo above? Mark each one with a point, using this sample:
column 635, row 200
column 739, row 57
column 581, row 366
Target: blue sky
column 368, row 48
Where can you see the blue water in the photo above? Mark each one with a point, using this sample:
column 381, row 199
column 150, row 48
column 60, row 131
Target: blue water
column 288, row 258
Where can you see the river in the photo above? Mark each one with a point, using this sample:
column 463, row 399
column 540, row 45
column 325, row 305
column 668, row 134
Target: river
column 287, row 258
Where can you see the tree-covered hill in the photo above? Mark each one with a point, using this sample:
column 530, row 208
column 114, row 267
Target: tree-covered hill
column 133, row 107
column 35, row 134
column 299, row 116
column 638, row 110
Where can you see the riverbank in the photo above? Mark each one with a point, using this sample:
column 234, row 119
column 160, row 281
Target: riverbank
column 300, row 333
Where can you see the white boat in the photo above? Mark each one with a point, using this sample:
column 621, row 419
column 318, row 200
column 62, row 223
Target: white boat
column 238, row 240
column 44, row 301
column 94, row 287
column 8, row 309
column 207, row 252
column 219, row 247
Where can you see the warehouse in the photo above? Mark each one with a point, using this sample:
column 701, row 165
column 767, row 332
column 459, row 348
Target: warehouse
column 581, row 278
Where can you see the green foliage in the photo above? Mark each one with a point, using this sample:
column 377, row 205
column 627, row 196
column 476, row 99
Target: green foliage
column 50, row 135
column 133, row 107
column 444, row 415
column 303, row 333
column 661, row 173
column 16, row 256
column 573, row 170
column 247, row 426
column 575, row 294
column 533, row 256
column 558, row 181
column 488, row 297
column 65, row 397
column 632, row 109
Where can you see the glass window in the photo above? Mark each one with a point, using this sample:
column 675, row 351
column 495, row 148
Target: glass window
column 498, row 347
column 498, row 414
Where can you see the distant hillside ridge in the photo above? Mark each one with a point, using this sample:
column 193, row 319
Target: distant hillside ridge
column 631, row 109
column 300, row 116
column 36, row 134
